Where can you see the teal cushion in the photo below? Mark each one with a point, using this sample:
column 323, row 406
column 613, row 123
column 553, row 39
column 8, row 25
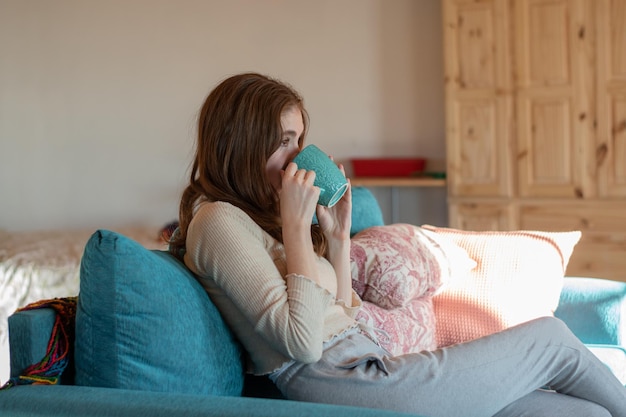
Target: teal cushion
column 366, row 211
column 144, row 322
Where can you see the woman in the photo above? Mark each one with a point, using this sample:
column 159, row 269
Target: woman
column 284, row 287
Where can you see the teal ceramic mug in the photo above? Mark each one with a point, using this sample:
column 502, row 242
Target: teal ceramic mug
column 332, row 183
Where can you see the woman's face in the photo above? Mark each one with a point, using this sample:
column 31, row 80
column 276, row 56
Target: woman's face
column 293, row 126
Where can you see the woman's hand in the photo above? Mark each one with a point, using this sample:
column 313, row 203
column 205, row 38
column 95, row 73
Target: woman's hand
column 336, row 221
column 298, row 196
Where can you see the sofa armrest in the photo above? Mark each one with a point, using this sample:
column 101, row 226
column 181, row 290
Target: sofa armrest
column 594, row 309
column 29, row 334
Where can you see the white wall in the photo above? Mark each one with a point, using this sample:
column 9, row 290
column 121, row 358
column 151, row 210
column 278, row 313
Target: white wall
column 98, row 98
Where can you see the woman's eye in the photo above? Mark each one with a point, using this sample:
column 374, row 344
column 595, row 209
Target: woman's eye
column 285, row 142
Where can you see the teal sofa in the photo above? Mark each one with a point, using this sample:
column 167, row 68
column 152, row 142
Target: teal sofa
column 148, row 341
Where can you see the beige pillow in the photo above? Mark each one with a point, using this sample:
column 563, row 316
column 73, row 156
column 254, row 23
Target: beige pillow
column 518, row 277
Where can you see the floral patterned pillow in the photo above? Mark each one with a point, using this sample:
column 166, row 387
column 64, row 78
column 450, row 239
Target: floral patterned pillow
column 396, row 270
column 394, row 264
column 402, row 330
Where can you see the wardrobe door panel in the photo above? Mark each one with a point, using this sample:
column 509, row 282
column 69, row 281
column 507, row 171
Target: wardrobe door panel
column 554, row 83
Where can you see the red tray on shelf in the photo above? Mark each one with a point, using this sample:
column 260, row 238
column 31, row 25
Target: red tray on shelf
column 387, row 167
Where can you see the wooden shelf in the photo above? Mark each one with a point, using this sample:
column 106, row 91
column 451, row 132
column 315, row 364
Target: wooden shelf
column 394, row 183
column 398, row 182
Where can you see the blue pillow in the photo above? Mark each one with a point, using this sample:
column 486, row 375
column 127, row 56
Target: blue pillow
column 366, row 211
column 144, row 322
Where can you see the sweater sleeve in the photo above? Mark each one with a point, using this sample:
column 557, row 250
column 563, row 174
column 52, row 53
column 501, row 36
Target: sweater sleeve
column 356, row 305
column 225, row 245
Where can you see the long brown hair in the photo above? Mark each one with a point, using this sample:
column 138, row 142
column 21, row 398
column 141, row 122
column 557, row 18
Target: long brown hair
column 239, row 128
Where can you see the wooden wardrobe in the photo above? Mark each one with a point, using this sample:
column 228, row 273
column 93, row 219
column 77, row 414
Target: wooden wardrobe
column 536, row 122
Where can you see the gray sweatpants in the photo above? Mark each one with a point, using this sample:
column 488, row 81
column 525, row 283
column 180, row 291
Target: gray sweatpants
column 498, row 375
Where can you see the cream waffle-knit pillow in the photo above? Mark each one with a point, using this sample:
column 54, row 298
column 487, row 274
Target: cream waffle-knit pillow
column 518, row 277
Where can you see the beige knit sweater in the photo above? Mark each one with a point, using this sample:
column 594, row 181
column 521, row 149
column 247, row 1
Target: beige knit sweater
column 277, row 317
